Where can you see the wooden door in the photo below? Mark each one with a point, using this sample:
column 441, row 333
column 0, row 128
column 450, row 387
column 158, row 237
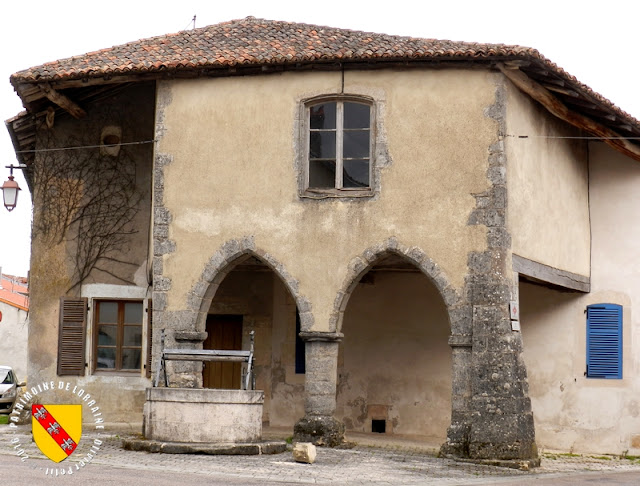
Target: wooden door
column 224, row 332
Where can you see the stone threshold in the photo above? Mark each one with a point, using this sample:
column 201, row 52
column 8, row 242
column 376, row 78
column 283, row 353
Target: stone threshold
column 242, row 449
column 521, row 464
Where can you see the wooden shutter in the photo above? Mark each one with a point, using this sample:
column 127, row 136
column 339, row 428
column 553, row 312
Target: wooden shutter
column 149, row 337
column 604, row 341
column 72, row 335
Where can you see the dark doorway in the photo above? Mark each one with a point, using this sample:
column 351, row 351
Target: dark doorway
column 224, row 332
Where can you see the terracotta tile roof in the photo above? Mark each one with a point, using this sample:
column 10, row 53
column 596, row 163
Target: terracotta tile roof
column 258, row 42
column 12, row 292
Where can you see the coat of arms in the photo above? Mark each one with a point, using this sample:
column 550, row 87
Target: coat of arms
column 56, row 429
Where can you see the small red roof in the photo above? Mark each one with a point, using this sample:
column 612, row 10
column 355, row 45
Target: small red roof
column 13, row 291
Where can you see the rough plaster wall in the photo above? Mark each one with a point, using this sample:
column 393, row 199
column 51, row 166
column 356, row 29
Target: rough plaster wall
column 287, row 387
column 547, row 187
column 13, row 339
column 615, row 271
column 269, row 310
column 437, row 137
column 132, row 111
column 571, row 411
column 395, row 361
column 51, row 268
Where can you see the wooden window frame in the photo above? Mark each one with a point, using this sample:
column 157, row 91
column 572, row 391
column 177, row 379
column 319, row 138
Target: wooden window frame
column 338, row 190
column 119, row 337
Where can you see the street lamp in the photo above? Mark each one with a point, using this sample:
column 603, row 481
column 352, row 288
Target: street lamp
column 10, row 190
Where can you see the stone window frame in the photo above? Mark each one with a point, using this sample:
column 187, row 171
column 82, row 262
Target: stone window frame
column 321, row 193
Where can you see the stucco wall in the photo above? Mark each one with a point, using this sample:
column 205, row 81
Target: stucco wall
column 548, row 215
column 13, row 339
column 572, row 411
column 53, row 262
column 233, row 146
column 395, row 360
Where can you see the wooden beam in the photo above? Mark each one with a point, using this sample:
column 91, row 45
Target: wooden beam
column 558, row 109
column 62, row 101
column 565, row 91
column 554, row 276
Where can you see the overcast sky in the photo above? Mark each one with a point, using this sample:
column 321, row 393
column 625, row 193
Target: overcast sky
column 596, row 41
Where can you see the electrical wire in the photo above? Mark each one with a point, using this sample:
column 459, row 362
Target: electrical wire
column 80, row 147
column 572, row 138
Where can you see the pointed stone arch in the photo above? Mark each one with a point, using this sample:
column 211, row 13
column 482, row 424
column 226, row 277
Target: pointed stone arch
column 222, row 262
column 361, row 264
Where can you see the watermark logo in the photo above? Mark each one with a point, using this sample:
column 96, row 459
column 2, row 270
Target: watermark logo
column 57, row 428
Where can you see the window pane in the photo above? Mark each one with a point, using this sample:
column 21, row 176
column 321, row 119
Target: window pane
column 357, row 115
column 107, row 335
column 355, row 173
column 132, row 336
column 322, row 145
column 108, row 312
column 356, row 144
column 133, row 312
column 131, row 359
column 106, row 358
column 322, row 174
column 322, row 116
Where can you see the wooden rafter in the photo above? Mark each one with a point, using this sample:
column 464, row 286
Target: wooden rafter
column 62, row 101
column 558, row 109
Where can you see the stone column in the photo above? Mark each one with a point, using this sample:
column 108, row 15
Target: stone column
column 457, row 444
column 319, row 425
column 502, row 421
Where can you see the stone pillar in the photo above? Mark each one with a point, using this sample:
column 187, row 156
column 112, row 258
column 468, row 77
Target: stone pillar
column 457, row 444
column 502, row 421
column 319, row 425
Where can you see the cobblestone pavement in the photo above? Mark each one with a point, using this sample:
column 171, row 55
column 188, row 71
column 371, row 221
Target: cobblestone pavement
column 358, row 466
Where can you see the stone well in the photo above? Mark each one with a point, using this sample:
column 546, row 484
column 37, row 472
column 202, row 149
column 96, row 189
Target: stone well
column 203, row 415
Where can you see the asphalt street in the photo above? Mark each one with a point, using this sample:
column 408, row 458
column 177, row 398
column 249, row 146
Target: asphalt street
column 361, row 465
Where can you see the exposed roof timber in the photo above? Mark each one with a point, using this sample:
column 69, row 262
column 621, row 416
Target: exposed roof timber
column 62, row 101
column 557, row 89
column 584, row 104
column 541, row 273
column 558, row 109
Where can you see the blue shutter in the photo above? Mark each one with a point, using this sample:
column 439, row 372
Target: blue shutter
column 604, row 341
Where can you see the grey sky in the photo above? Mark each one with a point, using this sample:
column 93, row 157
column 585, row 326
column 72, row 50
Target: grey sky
column 594, row 41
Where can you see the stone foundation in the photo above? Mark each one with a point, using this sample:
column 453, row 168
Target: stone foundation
column 203, row 415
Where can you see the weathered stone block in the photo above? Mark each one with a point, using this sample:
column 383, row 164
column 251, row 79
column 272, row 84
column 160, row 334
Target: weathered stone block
column 320, row 431
column 304, row 452
column 161, row 216
column 203, row 415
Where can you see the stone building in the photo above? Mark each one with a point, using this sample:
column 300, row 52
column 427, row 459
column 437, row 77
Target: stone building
column 14, row 323
column 376, row 208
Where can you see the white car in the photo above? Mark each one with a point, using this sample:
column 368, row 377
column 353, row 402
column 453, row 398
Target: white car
column 8, row 389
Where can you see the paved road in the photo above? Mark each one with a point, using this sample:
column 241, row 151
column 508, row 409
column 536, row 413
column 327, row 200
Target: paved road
column 28, row 474
column 359, row 466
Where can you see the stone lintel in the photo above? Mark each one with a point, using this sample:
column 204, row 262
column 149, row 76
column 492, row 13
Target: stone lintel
column 190, row 336
column 554, row 276
column 310, row 336
column 460, row 340
column 204, row 395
